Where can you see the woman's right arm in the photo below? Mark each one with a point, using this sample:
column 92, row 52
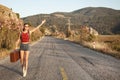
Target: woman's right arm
column 17, row 43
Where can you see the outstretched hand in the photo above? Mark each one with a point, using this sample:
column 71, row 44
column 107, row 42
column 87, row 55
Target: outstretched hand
column 38, row 26
column 43, row 21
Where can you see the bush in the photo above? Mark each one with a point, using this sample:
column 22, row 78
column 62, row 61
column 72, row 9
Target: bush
column 36, row 35
column 8, row 38
column 42, row 30
column 91, row 38
column 115, row 45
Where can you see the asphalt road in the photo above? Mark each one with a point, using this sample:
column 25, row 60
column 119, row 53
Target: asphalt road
column 55, row 59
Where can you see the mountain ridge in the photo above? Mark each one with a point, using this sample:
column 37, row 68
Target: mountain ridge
column 104, row 20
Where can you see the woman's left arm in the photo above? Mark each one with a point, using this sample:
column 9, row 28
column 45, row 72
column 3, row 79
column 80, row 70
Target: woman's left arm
column 38, row 26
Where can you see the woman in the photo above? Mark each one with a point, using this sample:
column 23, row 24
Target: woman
column 24, row 39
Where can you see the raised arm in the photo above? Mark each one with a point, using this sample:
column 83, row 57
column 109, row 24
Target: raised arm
column 38, row 26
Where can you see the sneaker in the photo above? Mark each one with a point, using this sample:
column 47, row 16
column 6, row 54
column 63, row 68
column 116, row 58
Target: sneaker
column 23, row 69
column 25, row 73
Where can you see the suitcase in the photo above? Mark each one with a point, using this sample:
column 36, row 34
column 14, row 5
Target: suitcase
column 14, row 55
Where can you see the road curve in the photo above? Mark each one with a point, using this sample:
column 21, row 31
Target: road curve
column 56, row 59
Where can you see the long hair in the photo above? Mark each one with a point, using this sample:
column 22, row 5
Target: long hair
column 25, row 26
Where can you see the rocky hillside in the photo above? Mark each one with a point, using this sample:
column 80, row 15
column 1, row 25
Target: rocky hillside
column 104, row 20
column 9, row 19
column 10, row 26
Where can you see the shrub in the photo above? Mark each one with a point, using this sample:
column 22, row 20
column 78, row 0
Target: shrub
column 8, row 38
column 42, row 30
column 91, row 38
column 115, row 45
column 36, row 35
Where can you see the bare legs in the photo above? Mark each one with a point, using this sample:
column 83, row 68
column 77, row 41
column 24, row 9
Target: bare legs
column 24, row 59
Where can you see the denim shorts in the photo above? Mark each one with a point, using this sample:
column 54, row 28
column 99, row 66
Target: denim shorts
column 24, row 47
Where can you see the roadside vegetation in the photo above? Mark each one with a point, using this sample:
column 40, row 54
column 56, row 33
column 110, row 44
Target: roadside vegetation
column 107, row 44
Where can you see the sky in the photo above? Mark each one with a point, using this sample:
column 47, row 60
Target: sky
column 32, row 7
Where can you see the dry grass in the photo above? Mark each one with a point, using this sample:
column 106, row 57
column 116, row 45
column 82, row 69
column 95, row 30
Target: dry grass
column 108, row 44
column 103, row 47
column 105, row 38
column 113, row 41
column 3, row 53
column 36, row 35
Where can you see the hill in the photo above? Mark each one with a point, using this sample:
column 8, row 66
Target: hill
column 9, row 19
column 10, row 25
column 98, row 11
column 104, row 20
